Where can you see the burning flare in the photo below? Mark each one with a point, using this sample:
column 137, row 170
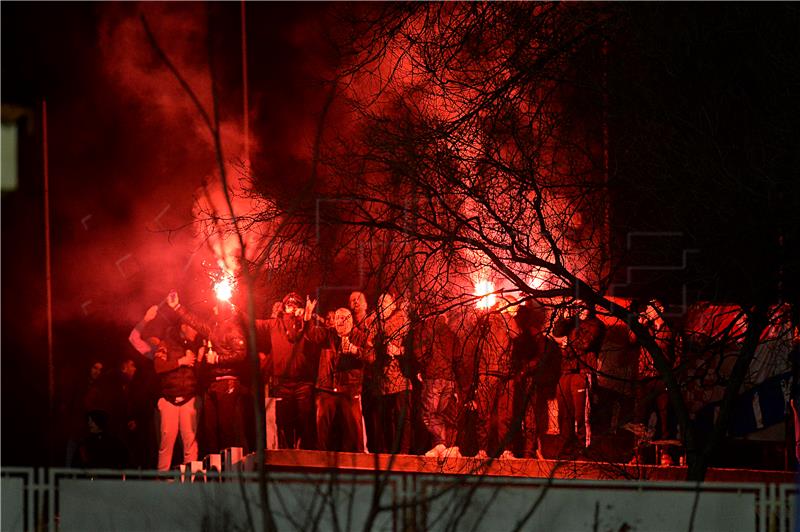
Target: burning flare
column 224, row 285
column 484, row 290
column 223, row 289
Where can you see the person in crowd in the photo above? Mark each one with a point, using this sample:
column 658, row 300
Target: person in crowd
column 291, row 343
column 370, row 389
column 491, row 340
column 390, row 329
column 533, row 354
column 651, row 393
column 582, row 337
column 135, row 337
column 131, row 412
column 90, row 393
column 226, row 400
column 100, row 449
column 462, row 321
column 794, row 401
column 548, row 374
column 439, row 360
column 177, row 350
column 358, row 306
column 616, row 376
column 330, row 319
column 344, row 355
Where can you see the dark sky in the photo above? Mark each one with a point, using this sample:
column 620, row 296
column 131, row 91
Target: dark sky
column 705, row 147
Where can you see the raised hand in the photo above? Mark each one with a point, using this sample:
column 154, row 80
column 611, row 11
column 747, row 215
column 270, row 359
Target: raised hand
column 211, row 356
column 348, row 347
column 172, row 300
column 187, row 359
column 151, row 313
column 311, row 304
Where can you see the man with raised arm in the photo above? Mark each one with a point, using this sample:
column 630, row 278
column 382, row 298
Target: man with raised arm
column 291, row 343
column 176, row 351
column 225, row 401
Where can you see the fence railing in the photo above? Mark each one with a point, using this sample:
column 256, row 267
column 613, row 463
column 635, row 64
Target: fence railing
column 70, row 499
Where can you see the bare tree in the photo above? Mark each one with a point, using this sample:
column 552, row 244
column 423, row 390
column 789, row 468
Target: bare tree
column 468, row 171
column 476, row 157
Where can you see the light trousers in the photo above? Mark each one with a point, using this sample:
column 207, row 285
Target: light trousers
column 173, row 419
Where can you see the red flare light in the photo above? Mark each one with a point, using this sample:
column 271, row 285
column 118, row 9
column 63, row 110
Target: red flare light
column 484, row 289
column 224, row 289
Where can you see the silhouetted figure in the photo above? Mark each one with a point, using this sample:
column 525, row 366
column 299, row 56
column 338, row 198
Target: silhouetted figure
column 582, row 338
column 534, row 356
column 439, row 353
column 100, row 449
column 651, row 392
column 90, row 393
column 131, row 413
column 394, row 404
column 494, row 392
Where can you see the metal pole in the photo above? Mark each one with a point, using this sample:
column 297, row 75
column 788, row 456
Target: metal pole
column 51, row 385
column 246, row 111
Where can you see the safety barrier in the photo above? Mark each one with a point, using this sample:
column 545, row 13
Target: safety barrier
column 786, row 506
column 69, row 499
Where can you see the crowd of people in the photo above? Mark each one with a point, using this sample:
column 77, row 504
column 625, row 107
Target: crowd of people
column 467, row 382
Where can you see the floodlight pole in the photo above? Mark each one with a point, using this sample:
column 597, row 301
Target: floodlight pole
column 51, row 385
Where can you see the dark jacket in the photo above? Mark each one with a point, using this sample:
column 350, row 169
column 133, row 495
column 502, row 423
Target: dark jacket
column 495, row 334
column 439, row 350
column 619, row 357
column 344, row 372
column 178, row 383
column 525, row 355
column 227, row 339
column 548, row 370
column 584, row 340
column 396, row 368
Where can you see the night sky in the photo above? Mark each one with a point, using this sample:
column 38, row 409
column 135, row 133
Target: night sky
column 706, row 99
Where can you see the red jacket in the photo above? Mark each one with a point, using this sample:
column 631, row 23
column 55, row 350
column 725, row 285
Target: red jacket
column 287, row 361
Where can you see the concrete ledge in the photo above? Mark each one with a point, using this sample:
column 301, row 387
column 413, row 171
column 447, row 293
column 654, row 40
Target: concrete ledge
column 311, row 461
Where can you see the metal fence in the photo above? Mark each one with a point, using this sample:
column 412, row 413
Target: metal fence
column 69, row 499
